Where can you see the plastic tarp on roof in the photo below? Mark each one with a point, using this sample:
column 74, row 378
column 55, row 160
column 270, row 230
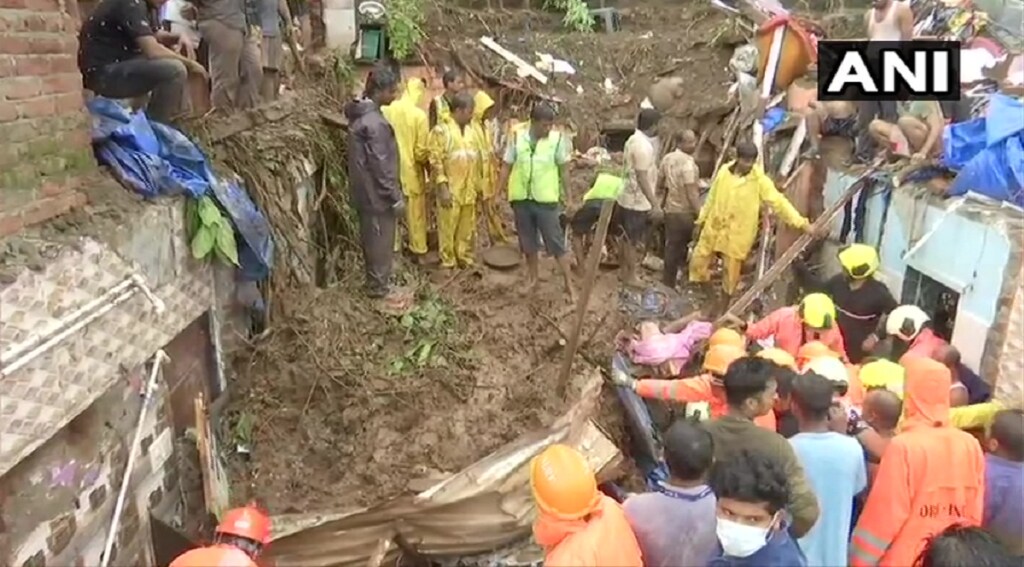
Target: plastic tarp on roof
column 988, row 153
column 486, row 506
column 156, row 160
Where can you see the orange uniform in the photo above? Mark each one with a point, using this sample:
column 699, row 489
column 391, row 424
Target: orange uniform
column 931, row 476
column 603, row 538
column 703, row 388
column 214, row 556
column 787, row 328
column 926, row 343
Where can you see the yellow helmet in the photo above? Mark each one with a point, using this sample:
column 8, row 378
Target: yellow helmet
column 859, row 260
column 883, row 374
column 778, row 356
column 817, row 311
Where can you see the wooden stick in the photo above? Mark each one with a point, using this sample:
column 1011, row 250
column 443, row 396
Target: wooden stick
column 790, row 255
column 727, row 138
column 593, row 261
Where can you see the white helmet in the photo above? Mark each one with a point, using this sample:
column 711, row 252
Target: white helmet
column 830, row 368
column 906, row 322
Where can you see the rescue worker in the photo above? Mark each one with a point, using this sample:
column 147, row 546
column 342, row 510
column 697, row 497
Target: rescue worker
column 931, row 475
column 727, row 336
column 810, row 351
column 706, row 389
column 412, row 133
column 813, row 319
column 455, row 165
column 728, row 222
column 785, row 422
column 861, row 301
column 483, row 106
column 534, row 175
column 606, row 187
column 576, row 524
column 909, row 329
column 778, row 356
column 882, row 374
column 440, row 106
column 750, row 388
column 237, row 541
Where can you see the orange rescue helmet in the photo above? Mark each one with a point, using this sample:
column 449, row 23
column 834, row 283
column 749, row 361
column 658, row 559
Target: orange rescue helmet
column 813, row 349
column 214, row 555
column 726, row 336
column 719, row 357
column 778, row 356
column 248, row 522
column 563, row 484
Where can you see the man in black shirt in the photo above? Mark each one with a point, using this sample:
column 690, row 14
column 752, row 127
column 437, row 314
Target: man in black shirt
column 862, row 302
column 120, row 56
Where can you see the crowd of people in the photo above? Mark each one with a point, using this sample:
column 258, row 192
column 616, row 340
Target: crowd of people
column 813, row 453
column 147, row 50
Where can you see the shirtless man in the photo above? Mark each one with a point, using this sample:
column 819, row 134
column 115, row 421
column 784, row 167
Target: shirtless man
column 832, row 118
column 887, row 20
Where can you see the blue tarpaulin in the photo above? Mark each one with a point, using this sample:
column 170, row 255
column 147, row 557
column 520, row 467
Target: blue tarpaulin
column 988, row 153
column 155, row 160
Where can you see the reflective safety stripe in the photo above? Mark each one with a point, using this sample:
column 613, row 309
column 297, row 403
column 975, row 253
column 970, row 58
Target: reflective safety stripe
column 855, row 316
column 860, row 557
column 861, row 545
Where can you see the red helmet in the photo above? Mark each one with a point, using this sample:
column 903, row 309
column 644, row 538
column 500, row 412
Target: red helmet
column 248, row 522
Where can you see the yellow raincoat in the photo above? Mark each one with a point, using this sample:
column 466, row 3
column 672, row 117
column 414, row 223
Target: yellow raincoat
column 730, row 219
column 455, row 161
column 411, row 133
column 489, row 171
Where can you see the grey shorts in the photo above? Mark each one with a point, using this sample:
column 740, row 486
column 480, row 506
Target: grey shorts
column 272, row 52
column 536, row 221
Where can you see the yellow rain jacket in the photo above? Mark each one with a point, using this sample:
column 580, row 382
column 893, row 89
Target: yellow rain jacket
column 484, row 138
column 411, row 133
column 455, row 160
column 730, row 218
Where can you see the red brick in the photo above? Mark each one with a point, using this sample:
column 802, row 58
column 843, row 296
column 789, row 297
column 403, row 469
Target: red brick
column 45, row 209
column 36, row 65
column 69, row 102
column 37, row 107
column 42, row 5
column 42, row 22
column 15, row 45
column 6, row 66
column 49, row 44
column 62, row 83
column 10, row 223
column 20, row 88
column 65, row 63
column 8, row 112
column 13, row 4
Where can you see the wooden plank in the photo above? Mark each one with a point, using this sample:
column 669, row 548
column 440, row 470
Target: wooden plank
column 789, row 256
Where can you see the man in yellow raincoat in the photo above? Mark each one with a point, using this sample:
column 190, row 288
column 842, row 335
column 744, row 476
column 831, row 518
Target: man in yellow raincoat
column 440, row 106
column 729, row 220
column 411, row 133
column 455, row 167
column 482, row 103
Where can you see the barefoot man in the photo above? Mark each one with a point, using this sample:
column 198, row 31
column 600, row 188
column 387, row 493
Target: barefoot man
column 534, row 174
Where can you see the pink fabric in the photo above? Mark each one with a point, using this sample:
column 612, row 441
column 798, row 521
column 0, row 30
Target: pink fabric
column 659, row 348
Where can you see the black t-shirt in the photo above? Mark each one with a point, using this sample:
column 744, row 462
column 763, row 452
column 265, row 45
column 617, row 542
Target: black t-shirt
column 110, row 34
column 859, row 311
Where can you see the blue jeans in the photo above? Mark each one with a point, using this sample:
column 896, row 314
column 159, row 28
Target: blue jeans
column 536, row 221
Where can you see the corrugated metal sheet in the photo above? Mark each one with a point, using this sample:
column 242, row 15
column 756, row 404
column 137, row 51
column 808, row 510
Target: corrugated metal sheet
column 39, row 399
column 1009, row 382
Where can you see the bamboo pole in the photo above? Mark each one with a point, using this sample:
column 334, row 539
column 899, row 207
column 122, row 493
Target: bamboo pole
column 593, row 264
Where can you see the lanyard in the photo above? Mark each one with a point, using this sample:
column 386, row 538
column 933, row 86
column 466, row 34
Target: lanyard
column 682, row 495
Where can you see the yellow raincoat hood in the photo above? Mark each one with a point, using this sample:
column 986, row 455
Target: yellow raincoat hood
column 481, row 102
column 414, row 89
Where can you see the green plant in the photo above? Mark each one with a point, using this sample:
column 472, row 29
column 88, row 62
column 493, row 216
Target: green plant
column 404, row 27
column 426, row 329
column 211, row 231
column 576, row 14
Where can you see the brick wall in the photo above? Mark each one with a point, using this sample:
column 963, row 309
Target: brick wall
column 44, row 142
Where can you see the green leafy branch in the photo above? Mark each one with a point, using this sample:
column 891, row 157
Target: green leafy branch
column 404, row 27
column 211, row 231
column 576, row 14
column 426, row 329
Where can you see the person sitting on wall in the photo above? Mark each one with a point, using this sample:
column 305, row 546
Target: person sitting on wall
column 121, row 56
column 917, row 132
column 832, row 118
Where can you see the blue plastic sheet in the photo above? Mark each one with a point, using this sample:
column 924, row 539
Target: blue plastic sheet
column 988, row 153
column 154, row 160
column 773, row 118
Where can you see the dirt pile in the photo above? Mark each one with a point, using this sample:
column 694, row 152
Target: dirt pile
column 342, row 406
column 689, row 40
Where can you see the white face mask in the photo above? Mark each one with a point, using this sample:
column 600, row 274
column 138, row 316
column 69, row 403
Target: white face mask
column 739, row 540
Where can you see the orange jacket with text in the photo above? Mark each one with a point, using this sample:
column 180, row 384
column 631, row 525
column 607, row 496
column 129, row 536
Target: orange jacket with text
column 931, row 476
column 603, row 538
column 788, row 330
column 697, row 389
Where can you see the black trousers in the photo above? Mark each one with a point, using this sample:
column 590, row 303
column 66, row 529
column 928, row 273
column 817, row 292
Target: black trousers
column 377, row 239
column 678, row 233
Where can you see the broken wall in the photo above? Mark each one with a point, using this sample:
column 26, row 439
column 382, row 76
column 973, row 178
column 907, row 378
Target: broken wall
column 44, row 138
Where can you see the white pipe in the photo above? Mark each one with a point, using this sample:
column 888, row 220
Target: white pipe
column 772, row 65
column 794, row 148
column 34, row 340
column 158, row 359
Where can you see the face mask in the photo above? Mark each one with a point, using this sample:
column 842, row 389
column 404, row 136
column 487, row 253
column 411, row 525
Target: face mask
column 739, row 540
